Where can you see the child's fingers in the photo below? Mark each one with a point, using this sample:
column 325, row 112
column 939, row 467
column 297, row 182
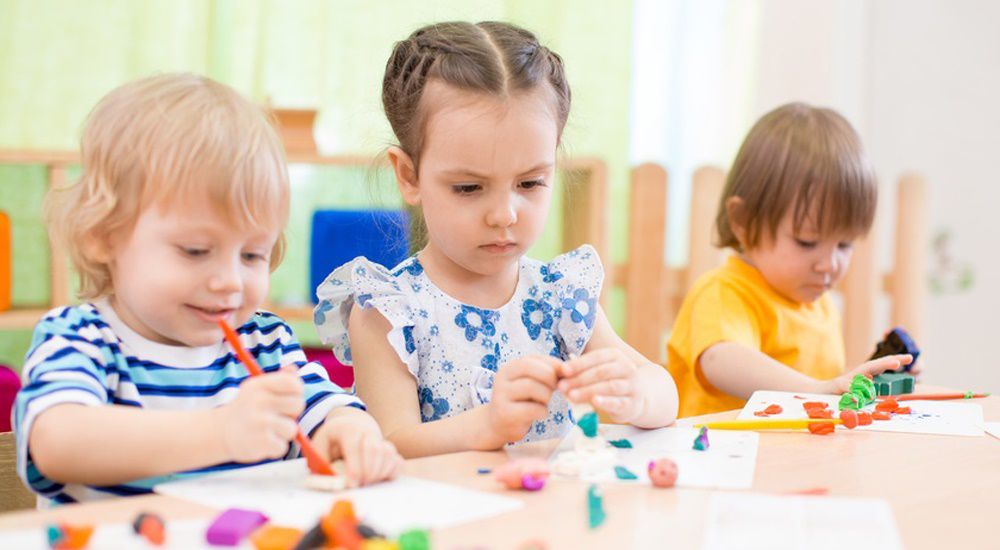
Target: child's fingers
column 353, row 459
column 529, row 389
column 528, row 410
column 290, row 406
column 284, row 427
column 613, row 387
column 611, row 404
column 589, row 360
column 280, row 382
column 542, row 369
column 598, row 373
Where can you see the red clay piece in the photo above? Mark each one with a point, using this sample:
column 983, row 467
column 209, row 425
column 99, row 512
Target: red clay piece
column 761, row 413
column 902, row 410
column 820, row 413
column 814, row 405
column 881, row 415
column 773, row 409
column 850, row 418
column 821, row 428
column 889, row 405
column 864, row 418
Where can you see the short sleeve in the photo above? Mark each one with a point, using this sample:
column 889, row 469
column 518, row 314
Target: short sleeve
column 721, row 313
column 572, row 282
column 66, row 363
column 370, row 285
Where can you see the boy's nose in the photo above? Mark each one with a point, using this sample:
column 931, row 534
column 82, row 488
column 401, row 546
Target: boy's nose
column 226, row 278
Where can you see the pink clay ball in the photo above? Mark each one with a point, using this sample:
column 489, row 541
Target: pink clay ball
column 662, row 472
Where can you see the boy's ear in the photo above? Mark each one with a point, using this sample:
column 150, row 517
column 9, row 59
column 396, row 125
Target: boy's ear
column 736, row 214
column 406, row 175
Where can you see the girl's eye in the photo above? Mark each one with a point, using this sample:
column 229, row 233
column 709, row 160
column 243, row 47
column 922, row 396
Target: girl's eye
column 465, row 188
column 531, row 184
column 845, row 245
column 805, row 244
column 251, row 257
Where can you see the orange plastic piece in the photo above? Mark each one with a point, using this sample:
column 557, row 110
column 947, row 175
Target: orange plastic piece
column 902, row 410
column 773, row 409
column 270, row 537
column 889, row 405
column 6, row 262
column 821, row 428
column 820, row 413
column 814, row 405
column 849, row 418
column 881, row 415
column 864, row 418
column 75, row 536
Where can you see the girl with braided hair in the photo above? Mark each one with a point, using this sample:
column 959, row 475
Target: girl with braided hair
column 469, row 344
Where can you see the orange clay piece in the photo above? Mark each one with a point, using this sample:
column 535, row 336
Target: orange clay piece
column 75, row 536
column 889, row 405
column 773, row 409
column 760, row 413
column 820, row 413
column 864, row 418
column 902, row 410
column 821, row 428
column 849, row 418
column 814, row 405
column 881, row 415
column 270, row 537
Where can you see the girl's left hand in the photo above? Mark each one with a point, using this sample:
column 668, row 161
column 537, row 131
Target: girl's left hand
column 355, row 437
column 605, row 378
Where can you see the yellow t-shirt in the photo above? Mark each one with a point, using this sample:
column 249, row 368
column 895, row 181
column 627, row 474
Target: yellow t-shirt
column 734, row 303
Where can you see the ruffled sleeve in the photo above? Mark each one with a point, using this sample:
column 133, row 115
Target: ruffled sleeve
column 371, row 286
column 573, row 281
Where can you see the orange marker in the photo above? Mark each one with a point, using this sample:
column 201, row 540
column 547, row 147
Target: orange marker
column 939, row 396
column 315, row 462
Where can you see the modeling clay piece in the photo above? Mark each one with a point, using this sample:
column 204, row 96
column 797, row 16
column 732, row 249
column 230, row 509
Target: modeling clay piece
column 621, row 443
column 270, row 537
column 320, row 482
column 849, row 401
column 893, row 383
column 849, row 418
column 588, row 423
column 595, row 507
column 820, row 413
column 150, row 527
column 233, row 525
column 889, row 405
column 414, row 540
column 864, row 388
column 483, row 471
column 54, row 535
column 773, row 409
column 881, row 415
column 313, row 538
column 67, row 537
column 662, row 472
column 760, row 413
column 864, row 418
column 821, row 428
column 815, row 405
column 524, row 473
column 624, row 473
column 701, row 442
column 902, row 410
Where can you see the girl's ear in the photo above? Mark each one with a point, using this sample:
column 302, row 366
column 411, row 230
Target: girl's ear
column 736, row 214
column 406, row 175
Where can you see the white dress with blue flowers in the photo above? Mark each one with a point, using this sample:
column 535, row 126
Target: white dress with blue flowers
column 453, row 349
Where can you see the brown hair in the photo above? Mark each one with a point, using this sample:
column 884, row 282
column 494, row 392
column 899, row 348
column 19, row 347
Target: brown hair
column 800, row 157
column 490, row 57
column 159, row 141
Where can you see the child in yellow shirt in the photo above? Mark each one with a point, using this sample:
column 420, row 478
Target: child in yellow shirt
column 800, row 192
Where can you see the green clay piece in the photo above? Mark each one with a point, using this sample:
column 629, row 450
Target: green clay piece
column 893, row 383
column 864, row 388
column 624, row 473
column 849, row 401
column 595, row 507
column 701, row 442
column 415, row 539
column 588, row 423
column 621, row 443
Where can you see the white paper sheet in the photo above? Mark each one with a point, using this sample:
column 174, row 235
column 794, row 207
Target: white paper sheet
column 276, row 490
column 993, row 428
column 748, row 521
column 926, row 417
column 728, row 463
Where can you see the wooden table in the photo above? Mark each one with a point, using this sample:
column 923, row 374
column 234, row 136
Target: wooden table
column 944, row 493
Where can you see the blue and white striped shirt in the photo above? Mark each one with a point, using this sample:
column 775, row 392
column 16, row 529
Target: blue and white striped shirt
column 87, row 355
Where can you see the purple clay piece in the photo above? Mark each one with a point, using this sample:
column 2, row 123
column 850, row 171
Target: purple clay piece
column 532, row 483
column 233, row 525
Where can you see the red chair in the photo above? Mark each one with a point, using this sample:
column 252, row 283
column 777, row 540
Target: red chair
column 341, row 374
column 10, row 383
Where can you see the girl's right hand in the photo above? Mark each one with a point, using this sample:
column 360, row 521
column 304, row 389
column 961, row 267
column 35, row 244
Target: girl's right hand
column 874, row 367
column 521, row 393
column 263, row 418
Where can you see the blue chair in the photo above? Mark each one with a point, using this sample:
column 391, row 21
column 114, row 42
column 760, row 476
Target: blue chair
column 339, row 236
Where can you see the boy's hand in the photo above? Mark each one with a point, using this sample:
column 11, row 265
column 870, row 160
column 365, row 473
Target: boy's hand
column 874, row 367
column 606, row 378
column 521, row 393
column 354, row 436
column 263, row 418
